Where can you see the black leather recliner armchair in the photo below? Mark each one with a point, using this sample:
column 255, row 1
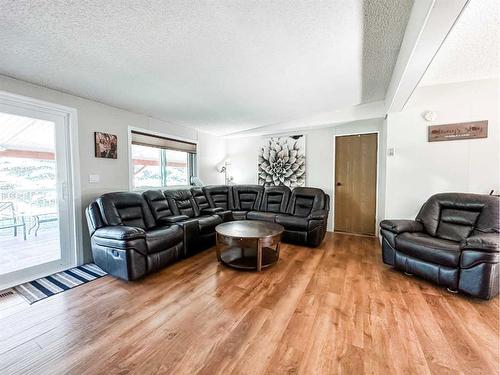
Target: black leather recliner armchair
column 126, row 240
column 454, row 242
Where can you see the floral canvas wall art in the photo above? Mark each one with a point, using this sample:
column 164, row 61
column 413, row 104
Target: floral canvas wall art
column 282, row 161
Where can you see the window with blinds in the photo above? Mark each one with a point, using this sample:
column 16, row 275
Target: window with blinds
column 160, row 162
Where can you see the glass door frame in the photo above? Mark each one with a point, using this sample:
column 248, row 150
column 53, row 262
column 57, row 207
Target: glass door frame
column 68, row 186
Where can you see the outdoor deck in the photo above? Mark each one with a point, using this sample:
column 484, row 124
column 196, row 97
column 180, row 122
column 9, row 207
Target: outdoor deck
column 17, row 253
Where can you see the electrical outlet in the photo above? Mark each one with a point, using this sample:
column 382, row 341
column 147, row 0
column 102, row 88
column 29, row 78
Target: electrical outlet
column 94, row 178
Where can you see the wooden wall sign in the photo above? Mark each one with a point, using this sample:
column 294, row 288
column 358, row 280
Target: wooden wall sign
column 453, row 132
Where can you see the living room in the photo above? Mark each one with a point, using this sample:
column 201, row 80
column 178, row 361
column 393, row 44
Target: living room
column 254, row 187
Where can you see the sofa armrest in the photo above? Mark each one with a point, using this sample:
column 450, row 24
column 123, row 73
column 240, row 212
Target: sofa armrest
column 191, row 229
column 488, row 242
column 318, row 215
column 120, row 232
column 400, row 226
column 211, row 210
column 172, row 219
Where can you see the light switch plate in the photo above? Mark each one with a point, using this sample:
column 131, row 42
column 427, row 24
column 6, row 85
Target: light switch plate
column 391, row 151
column 94, row 178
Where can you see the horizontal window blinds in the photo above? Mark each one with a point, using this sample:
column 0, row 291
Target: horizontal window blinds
column 144, row 139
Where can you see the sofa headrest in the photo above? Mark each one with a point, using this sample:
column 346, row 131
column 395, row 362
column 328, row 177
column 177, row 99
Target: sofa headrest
column 197, row 191
column 304, row 200
column 158, row 204
column 275, row 198
column 199, row 197
column 248, row 188
column 125, row 208
column 182, row 202
column 219, row 196
column 247, row 197
column 216, row 189
column 455, row 216
column 178, row 194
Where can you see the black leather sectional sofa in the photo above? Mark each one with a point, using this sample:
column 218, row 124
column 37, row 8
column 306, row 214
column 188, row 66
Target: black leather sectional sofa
column 134, row 234
column 454, row 242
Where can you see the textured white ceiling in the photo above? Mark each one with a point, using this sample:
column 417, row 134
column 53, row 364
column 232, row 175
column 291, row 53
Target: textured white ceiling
column 221, row 66
column 471, row 50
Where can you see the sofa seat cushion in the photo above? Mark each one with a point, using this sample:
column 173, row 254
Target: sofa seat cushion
column 431, row 249
column 163, row 238
column 207, row 224
column 239, row 215
column 262, row 216
column 291, row 222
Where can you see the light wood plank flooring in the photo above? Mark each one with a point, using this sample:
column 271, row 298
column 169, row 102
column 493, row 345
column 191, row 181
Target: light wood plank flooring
column 332, row 310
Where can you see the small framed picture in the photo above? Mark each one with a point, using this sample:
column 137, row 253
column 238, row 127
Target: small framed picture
column 106, row 145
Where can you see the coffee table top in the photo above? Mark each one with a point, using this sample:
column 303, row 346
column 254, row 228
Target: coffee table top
column 249, row 229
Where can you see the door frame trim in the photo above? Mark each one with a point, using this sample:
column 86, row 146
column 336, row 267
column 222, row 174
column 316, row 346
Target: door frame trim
column 70, row 116
column 377, row 192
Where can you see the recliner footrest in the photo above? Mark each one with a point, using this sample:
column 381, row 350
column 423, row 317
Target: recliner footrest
column 125, row 264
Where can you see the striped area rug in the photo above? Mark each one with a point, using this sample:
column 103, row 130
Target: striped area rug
column 44, row 287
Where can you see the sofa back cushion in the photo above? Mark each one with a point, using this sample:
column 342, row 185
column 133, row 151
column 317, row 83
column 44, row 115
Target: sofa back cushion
column 158, row 204
column 275, row 199
column 456, row 216
column 182, row 202
column 218, row 196
column 247, row 197
column 200, row 198
column 304, row 200
column 124, row 208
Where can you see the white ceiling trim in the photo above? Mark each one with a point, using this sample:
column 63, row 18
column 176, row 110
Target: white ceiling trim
column 429, row 25
column 322, row 120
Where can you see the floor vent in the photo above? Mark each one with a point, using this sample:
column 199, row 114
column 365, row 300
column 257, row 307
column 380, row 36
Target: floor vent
column 6, row 293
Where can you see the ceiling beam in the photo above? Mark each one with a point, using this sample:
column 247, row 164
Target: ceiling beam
column 321, row 120
column 429, row 24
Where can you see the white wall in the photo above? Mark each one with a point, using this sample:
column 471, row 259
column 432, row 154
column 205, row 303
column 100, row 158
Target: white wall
column 211, row 151
column 243, row 153
column 94, row 116
column 420, row 168
column 320, row 155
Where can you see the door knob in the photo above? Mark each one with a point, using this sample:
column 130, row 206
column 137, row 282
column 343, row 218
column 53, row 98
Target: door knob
column 339, row 184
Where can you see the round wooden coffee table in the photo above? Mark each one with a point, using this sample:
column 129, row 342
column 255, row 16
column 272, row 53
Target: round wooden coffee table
column 248, row 244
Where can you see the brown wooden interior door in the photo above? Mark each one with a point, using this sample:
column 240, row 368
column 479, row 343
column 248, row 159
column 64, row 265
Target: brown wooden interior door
column 355, row 183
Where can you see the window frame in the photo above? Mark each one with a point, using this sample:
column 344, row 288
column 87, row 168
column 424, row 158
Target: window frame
column 192, row 169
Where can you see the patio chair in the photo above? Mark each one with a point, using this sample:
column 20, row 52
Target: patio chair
column 10, row 219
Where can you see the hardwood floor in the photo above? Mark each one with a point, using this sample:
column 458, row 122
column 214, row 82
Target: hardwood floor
column 332, row 310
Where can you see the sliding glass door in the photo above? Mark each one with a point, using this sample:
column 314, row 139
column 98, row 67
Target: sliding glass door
column 35, row 203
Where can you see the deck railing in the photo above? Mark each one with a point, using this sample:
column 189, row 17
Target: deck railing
column 23, row 210
column 30, row 200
